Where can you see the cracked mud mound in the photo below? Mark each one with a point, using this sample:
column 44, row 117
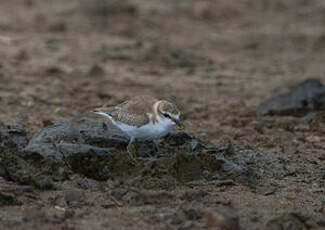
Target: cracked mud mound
column 98, row 151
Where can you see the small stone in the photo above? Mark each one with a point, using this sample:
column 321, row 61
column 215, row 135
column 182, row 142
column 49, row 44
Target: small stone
column 58, row 27
column 22, row 56
column 308, row 96
column 47, row 123
column 96, row 71
column 17, row 129
column 321, row 223
column 54, row 70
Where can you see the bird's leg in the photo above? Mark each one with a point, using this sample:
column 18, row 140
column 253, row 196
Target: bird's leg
column 157, row 143
column 132, row 148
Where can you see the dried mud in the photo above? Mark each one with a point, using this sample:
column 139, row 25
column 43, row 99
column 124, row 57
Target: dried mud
column 243, row 162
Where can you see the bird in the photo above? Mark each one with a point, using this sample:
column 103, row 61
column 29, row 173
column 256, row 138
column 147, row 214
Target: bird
column 143, row 118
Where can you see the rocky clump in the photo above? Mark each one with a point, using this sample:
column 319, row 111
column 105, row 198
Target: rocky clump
column 308, row 96
column 13, row 140
column 97, row 150
column 84, row 148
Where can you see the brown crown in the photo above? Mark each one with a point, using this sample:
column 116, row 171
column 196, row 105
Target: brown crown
column 165, row 106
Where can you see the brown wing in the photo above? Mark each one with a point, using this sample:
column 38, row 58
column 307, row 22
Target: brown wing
column 133, row 111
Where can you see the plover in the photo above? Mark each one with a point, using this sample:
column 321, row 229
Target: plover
column 143, row 118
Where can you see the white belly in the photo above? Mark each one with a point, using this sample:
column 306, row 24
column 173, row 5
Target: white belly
column 145, row 132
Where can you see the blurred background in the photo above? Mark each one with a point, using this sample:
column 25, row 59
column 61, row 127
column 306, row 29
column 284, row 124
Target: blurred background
column 217, row 59
column 60, row 59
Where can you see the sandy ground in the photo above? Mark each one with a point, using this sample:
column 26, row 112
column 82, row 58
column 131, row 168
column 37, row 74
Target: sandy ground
column 216, row 59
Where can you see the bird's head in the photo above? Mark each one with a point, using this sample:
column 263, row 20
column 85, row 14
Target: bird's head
column 169, row 111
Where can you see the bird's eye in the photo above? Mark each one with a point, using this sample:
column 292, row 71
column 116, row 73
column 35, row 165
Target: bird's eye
column 166, row 115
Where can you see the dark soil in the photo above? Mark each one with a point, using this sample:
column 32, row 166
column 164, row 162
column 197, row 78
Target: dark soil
column 246, row 74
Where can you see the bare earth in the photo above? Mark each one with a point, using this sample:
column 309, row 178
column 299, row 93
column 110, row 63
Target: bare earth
column 216, row 59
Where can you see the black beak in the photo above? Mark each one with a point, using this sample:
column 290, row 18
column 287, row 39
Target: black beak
column 179, row 124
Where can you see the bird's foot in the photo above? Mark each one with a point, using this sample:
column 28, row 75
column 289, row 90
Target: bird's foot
column 132, row 149
column 156, row 145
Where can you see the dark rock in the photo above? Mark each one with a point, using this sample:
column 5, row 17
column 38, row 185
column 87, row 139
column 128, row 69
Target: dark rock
column 309, row 96
column 3, row 170
column 96, row 71
column 62, row 152
column 60, row 26
column 288, row 221
column 177, row 139
column 102, row 135
column 87, row 160
column 47, row 123
column 13, row 138
column 183, row 139
column 21, row 55
column 54, row 70
column 17, row 129
column 321, row 223
column 60, row 132
column 83, row 148
column 98, row 150
column 189, row 167
column 39, row 151
column 21, row 171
